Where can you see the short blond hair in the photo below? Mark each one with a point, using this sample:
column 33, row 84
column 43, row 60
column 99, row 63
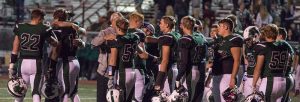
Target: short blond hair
column 188, row 22
column 136, row 16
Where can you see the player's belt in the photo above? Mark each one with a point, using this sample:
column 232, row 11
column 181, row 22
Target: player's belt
column 29, row 57
column 275, row 75
column 69, row 58
column 249, row 76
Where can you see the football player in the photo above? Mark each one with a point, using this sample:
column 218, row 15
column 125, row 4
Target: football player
column 167, row 44
column 136, row 20
column 297, row 73
column 226, row 59
column 27, row 52
column 99, row 41
column 282, row 35
column 151, row 66
column 238, row 30
column 271, row 64
column 68, row 65
column 251, row 36
column 123, row 50
column 192, row 52
column 212, row 44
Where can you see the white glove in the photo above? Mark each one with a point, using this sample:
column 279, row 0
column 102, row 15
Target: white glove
column 11, row 72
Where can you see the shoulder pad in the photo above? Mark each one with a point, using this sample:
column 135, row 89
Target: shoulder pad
column 165, row 39
column 260, row 48
column 185, row 41
column 236, row 41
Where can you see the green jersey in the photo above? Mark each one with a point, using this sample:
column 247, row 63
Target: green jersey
column 277, row 57
column 127, row 46
column 139, row 63
column 32, row 38
column 200, row 48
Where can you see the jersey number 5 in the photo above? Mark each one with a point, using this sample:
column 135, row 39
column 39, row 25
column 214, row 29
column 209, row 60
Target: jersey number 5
column 278, row 60
column 199, row 53
column 30, row 42
column 128, row 51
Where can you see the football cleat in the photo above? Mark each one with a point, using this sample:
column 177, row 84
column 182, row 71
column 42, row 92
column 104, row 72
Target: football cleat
column 17, row 87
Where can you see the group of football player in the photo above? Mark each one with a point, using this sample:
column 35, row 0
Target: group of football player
column 177, row 65
column 256, row 65
column 55, row 75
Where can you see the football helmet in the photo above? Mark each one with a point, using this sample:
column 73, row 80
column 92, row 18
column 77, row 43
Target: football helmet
column 114, row 94
column 180, row 94
column 230, row 95
column 17, row 87
column 159, row 96
column 251, row 34
column 51, row 88
column 255, row 97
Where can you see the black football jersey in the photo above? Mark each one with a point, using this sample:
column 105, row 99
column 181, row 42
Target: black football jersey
column 169, row 40
column 32, row 39
column 66, row 35
column 223, row 60
column 277, row 56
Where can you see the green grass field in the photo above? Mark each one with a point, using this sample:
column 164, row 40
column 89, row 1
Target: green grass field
column 87, row 91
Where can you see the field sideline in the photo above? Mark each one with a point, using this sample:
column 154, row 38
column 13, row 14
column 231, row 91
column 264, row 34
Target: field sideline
column 87, row 91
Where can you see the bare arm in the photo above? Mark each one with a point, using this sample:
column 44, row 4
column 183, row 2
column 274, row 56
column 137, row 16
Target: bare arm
column 165, row 58
column 113, row 57
column 295, row 63
column 236, row 54
column 257, row 69
column 16, row 45
column 150, row 39
column 78, row 29
column 14, row 57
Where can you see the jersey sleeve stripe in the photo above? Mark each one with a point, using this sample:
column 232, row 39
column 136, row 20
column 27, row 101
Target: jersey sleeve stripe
column 261, row 45
column 186, row 38
column 233, row 38
column 169, row 36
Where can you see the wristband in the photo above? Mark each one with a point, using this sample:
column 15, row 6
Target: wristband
column 111, row 70
column 13, row 58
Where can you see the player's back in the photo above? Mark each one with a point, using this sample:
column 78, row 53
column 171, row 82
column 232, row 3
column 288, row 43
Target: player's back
column 65, row 36
column 277, row 56
column 127, row 46
column 199, row 49
column 32, row 38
